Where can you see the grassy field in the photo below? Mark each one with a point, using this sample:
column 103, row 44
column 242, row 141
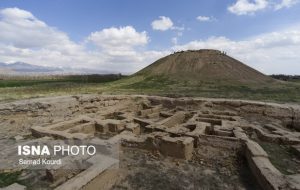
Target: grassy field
column 160, row 85
column 14, row 88
column 21, row 81
column 281, row 92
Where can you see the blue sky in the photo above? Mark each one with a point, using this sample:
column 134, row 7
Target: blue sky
column 126, row 35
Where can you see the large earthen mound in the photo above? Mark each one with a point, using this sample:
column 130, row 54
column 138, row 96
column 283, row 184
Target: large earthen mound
column 204, row 65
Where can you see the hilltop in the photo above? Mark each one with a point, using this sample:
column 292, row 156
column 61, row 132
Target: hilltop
column 204, row 65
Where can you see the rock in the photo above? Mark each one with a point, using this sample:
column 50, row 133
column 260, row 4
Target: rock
column 18, row 137
column 208, row 172
column 15, row 186
column 294, row 181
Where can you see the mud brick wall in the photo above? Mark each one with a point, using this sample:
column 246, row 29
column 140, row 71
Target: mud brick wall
column 220, row 142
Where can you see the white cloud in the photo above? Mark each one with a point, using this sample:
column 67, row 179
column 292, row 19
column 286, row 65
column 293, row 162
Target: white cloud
column 248, row 7
column 120, row 48
column 205, row 18
column 285, row 4
column 21, row 29
column 23, row 37
column 244, row 7
column 276, row 52
column 118, row 38
column 162, row 24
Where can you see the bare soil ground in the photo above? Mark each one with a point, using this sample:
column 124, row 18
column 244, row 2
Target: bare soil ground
column 208, row 169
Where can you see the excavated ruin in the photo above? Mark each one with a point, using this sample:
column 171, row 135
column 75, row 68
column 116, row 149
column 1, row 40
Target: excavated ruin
column 163, row 143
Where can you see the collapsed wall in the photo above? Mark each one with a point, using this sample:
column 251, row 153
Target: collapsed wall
column 289, row 115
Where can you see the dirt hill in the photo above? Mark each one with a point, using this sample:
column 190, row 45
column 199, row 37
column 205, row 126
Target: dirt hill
column 207, row 73
column 204, row 65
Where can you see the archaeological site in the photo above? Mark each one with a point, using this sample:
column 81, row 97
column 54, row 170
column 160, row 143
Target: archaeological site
column 157, row 142
column 149, row 95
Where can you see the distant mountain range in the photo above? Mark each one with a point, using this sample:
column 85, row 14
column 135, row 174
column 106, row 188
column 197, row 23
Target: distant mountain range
column 27, row 68
column 21, row 68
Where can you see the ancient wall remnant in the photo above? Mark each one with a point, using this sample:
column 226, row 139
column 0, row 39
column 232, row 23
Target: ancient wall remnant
column 176, row 129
